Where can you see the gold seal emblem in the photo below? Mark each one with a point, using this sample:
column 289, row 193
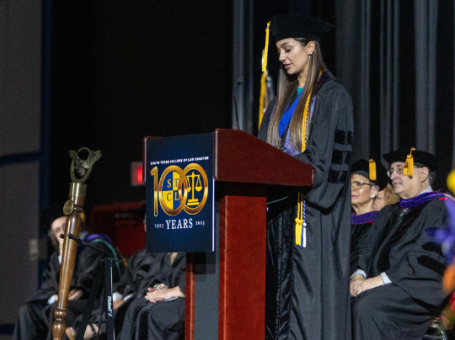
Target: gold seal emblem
column 68, row 208
column 178, row 189
column 193, row 205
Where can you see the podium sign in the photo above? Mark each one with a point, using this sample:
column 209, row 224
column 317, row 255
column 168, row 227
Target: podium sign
column 225, row 267
column 180, row 194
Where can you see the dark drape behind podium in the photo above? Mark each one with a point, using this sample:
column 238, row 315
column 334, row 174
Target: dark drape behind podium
column 134, row 69
column 396, row 59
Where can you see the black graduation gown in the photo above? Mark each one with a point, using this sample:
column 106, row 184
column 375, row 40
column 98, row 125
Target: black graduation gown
column 32, row 321
column 360, row 225
column 308, row 289
column 358, row 235
column 155, row 274
column 86, row 267
column 140, row 265
column 88, row 263
column 137, row 269
column 399, row 245
column 163, row 319
column 141, row 269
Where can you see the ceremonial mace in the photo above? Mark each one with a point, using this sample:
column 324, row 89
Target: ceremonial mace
column 73, row 210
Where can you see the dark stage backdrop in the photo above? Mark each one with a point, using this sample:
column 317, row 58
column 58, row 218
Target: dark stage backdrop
column 396, row 59
column 122, row 70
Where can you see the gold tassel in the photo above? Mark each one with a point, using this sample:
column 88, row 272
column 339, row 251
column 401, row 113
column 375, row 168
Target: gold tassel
column 262, row 97
column 372, row 168
column 264, row 74
column 408, row 169
column 266, row 48
column 305, row 115
column 299, row 220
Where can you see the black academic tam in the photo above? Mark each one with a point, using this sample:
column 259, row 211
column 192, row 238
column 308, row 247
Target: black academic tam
column 284, row 26
column 422, row 157
column 362, row 167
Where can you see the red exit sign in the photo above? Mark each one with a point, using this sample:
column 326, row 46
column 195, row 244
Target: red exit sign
column 136, row 174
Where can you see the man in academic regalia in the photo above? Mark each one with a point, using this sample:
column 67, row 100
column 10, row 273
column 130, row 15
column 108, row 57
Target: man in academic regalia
column 397, row 281
column 32, row 321
column 140, row 269
column 36, row 316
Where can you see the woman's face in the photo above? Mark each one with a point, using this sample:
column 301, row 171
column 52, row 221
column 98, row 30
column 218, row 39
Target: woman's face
column 363, row 195
column 294, row 56
column 379, row 201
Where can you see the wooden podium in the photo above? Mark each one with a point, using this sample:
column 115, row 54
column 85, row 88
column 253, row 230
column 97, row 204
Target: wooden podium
column 225, row 289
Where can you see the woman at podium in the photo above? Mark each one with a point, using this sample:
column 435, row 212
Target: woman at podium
column 309, row 229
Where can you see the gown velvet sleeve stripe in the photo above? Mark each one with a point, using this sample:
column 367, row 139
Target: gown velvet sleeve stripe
column 420, row 271
column 331, row 146
column 432, row 264
column 343, row 137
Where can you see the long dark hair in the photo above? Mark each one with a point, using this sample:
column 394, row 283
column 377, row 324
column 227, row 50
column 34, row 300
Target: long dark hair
column 287, row 84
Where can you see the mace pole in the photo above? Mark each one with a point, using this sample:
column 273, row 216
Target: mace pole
column 73, row 209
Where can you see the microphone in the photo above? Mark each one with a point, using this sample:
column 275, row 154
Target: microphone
column 79, row 242
column 71, row 236
column 239, row 82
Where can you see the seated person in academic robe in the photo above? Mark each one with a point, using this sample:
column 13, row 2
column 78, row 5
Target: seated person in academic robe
column 36, row 316
column 367, row 179
column 397, row 280
column 387, row 196
column 141, row 268
column 159, row 313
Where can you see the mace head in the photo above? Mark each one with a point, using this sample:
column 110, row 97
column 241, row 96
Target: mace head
column 83, row 167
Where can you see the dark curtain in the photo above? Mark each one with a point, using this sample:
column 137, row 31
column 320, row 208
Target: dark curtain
column 396, row 58
column 123, row 70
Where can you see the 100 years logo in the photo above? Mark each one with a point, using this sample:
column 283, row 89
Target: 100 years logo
column 179, row 189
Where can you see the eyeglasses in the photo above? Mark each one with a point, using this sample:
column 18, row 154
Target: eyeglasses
column 356, row 185
column 398, row 170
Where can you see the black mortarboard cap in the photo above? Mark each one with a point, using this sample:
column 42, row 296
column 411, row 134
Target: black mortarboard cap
column 362, row 167
column 422, row 157
column 284, row 26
